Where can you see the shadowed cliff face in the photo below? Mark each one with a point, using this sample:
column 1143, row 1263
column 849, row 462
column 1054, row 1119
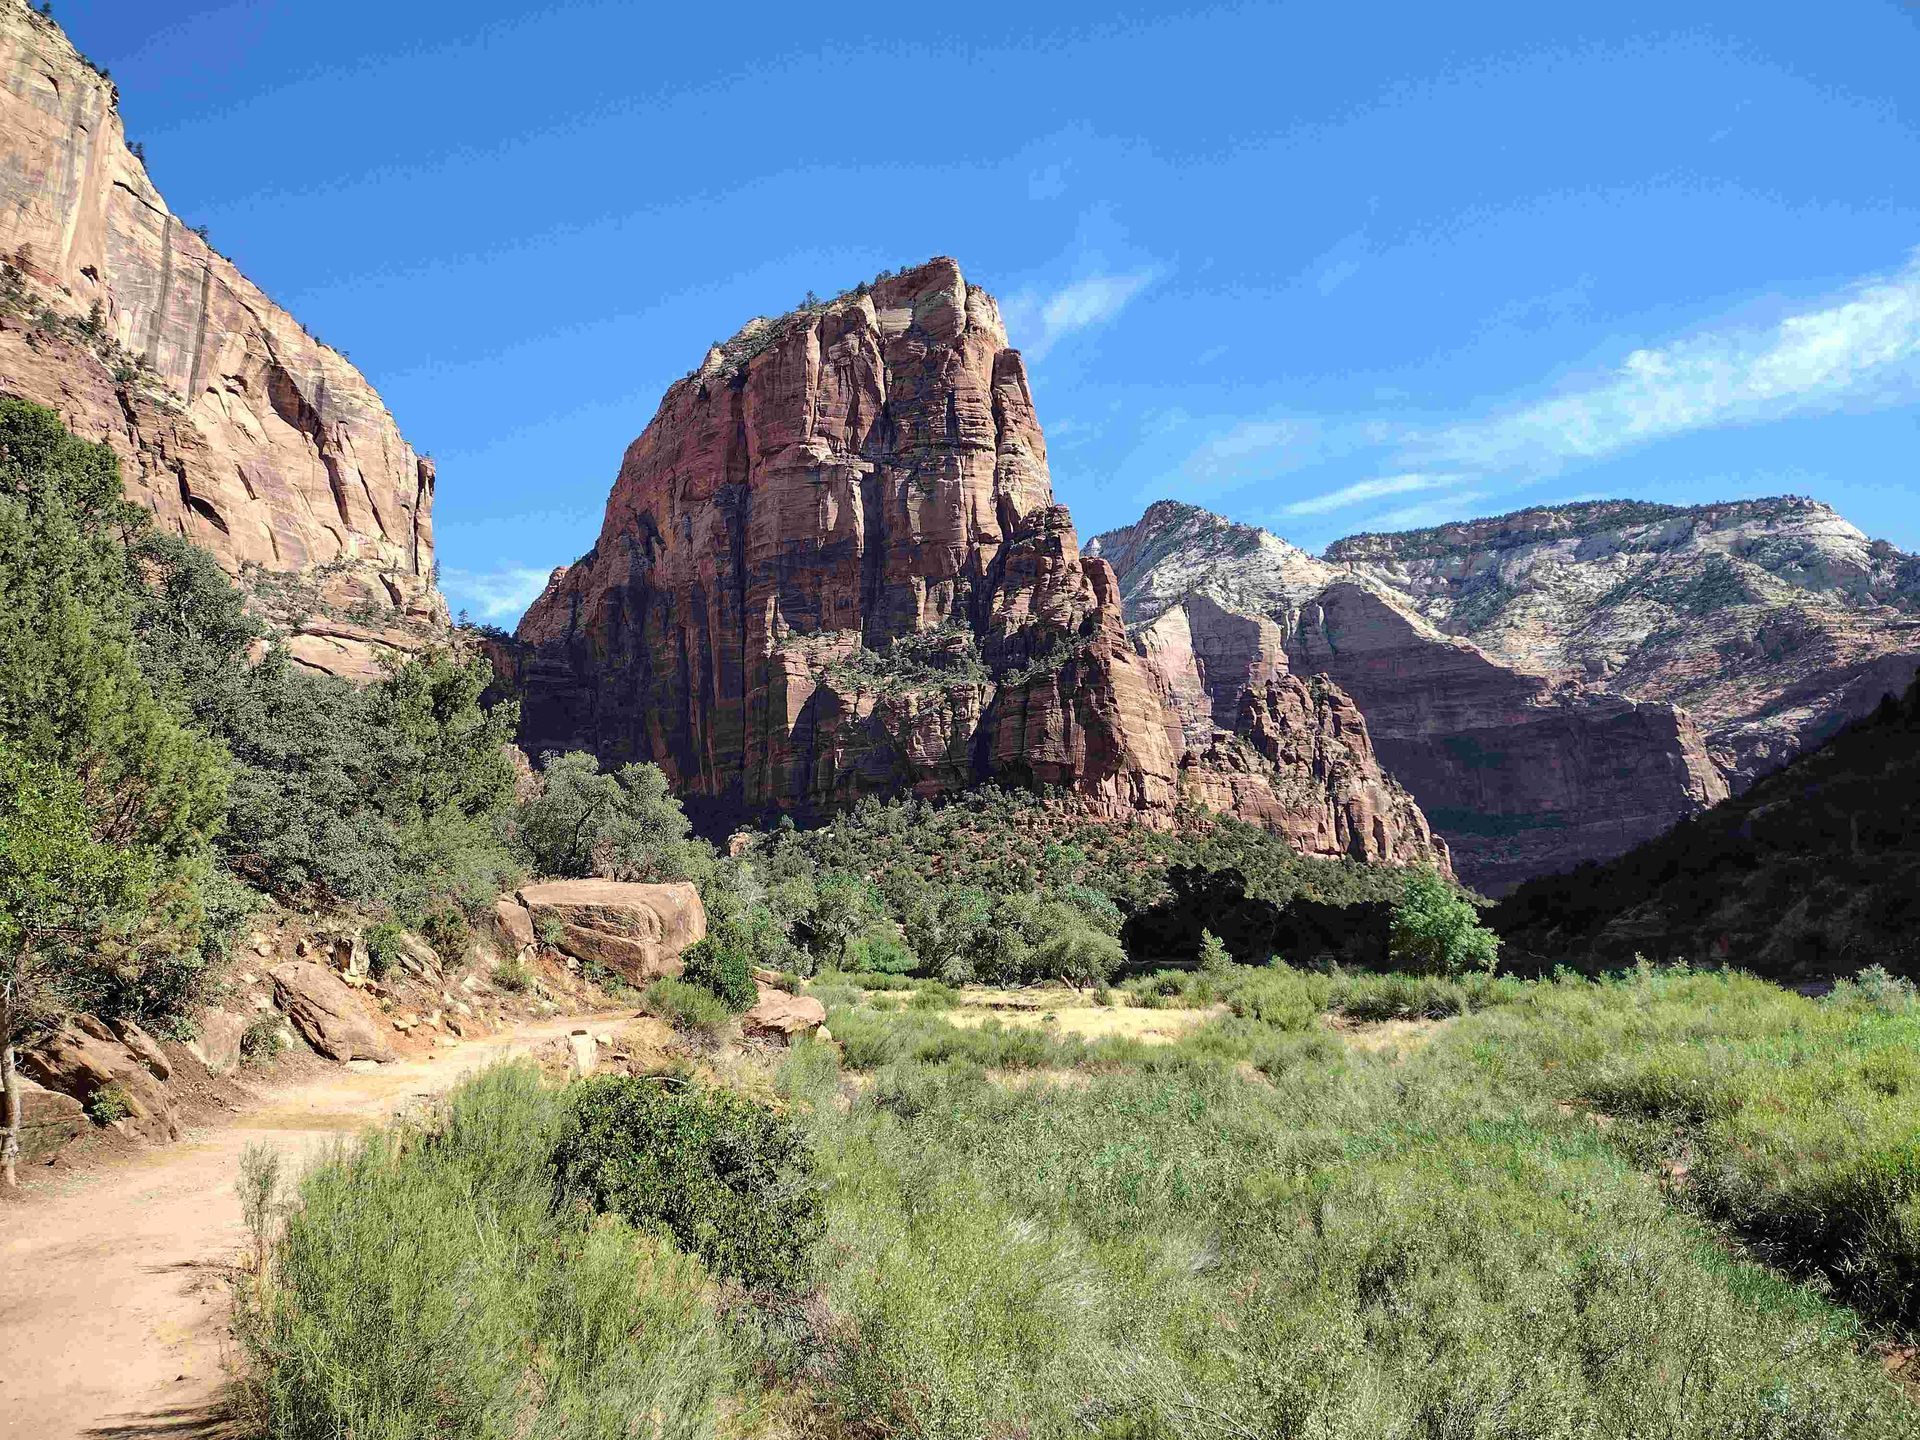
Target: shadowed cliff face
column 832, row 566
column 233, row 426
column 1522, row 771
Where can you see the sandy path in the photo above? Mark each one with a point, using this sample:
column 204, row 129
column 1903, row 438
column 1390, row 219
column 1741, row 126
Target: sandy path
column 113, row 1292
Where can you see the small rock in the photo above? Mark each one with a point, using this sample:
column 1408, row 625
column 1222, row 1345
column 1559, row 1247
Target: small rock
column 582, row 1051
column 782, row 1018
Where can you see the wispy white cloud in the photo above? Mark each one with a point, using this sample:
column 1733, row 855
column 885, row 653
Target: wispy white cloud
column 1037, row 321
column 1458, row 506
column 1363, row 491
column 1855, row 349
column 1251, row 445
column 495, row 594
column 1859, row 347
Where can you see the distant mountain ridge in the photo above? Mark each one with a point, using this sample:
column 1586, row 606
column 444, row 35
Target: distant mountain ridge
column 1555, row 685
column 1773, row 622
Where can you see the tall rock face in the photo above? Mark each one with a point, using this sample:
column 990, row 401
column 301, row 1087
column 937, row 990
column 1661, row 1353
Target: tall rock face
column 1523, row 771
column 233, row 426
column 1300, row 762
column 832, row 566
column 1773, row 622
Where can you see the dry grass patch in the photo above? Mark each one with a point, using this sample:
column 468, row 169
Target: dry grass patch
column 1152, row 1027
column 1403, row 1036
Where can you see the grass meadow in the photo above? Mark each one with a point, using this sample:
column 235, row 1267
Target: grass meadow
column 1666, row 1203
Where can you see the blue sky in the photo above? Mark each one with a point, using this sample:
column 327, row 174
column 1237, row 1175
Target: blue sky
column 1322, row 268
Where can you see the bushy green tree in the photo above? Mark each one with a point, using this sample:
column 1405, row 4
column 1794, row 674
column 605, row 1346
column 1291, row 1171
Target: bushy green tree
column 1214, row 958
column 1077, row 955
column 1436, row 929
column 108, row 800
column 624, row 825
column 946, row 930
column 723, row 963
column 844, row 908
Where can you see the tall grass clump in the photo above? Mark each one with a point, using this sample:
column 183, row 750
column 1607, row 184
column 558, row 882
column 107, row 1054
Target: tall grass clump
column 1794, row 1121
column 427, row 1284
column 1375, row 1247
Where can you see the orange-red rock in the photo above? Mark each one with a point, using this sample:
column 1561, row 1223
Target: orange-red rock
column 1302, row 764
column 233, row 425
column 852, row 478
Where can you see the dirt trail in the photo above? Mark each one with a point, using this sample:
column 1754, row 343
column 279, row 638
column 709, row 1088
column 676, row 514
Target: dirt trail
column 113, row 1283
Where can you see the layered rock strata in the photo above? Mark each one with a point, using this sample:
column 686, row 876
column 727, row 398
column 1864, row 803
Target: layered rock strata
column 832, row 566
column 234, row 427
column 1522, row 771
column 1773, row 622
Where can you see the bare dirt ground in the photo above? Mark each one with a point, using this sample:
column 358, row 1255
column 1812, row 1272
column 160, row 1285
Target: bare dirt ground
column 114, row 1295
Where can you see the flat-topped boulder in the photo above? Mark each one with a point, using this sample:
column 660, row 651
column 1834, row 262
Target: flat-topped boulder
column 782, row 1018
column 637, row 931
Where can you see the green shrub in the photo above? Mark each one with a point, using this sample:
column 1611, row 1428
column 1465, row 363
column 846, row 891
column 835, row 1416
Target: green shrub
column 723, row 965
column 549, row 929
column 446, row 929
column 1279, row 996
column 1078, row 955
column 382, row 939
column 263, row 1039
column 513, row 975
column 108, row 1104
column 428, row 1285
column 723, row 1177
column 881, row 952
column 688, row 1007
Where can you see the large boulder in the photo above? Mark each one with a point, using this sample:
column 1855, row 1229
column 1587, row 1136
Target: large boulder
column 325, row 1010
column 782, row 1018
column 216, row 1039
column 512, row 925
column 49, row 1121
column 84, row 1059
column 637, row 931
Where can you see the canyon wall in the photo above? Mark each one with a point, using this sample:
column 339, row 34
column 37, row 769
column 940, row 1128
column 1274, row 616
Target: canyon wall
column 234, row 427
column 1772, row 622
column 832, row 566
column 1522, row 771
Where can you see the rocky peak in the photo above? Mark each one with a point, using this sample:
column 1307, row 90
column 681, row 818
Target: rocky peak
column 832, row 566
column 233, row 425
column 1176, row 550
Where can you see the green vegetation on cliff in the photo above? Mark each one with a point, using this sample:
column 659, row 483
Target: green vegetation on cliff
column 156, row 782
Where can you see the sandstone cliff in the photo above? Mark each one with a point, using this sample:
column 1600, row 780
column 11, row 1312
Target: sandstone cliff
column 832, row 566
column 1523, row 771
column 1774, row 622
column 233, row 425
